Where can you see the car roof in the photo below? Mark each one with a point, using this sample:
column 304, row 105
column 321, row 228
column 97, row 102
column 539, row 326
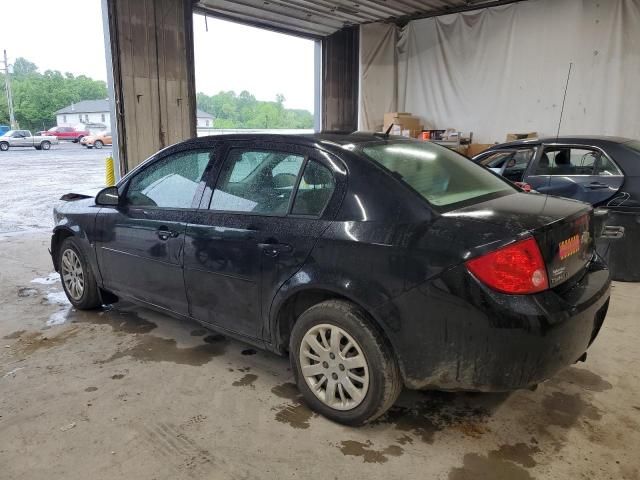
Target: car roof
column 335, row 139
column 575, row 139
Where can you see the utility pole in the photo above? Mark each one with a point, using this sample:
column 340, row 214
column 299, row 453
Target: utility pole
column 7, row 82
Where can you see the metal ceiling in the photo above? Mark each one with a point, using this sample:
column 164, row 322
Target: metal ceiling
column 319, row 18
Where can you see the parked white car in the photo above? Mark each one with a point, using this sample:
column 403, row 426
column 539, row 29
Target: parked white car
column 23, row 138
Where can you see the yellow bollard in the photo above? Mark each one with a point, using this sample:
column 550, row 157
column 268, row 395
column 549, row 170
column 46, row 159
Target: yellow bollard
column 110, row 176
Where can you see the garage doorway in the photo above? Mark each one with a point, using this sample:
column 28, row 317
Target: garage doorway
column 58, row 83
column 252, row 79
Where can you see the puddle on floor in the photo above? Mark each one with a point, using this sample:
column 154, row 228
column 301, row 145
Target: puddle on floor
column 480, row 467
column 155, row 349
column 296, row 415
column 435, row 412
column 564, row 410
column 14, row 335
column 30, row 343
column 246, row 381
column 582, row 378
column 119, row 320
column 369, row 454
column 520, row 453
column 288, row 391
column 25, row 292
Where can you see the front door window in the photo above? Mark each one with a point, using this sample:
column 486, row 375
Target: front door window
column 169, row 183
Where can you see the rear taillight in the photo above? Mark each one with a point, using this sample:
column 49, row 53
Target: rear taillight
column 517, row 268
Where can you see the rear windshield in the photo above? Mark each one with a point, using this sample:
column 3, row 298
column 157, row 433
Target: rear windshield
column 443, row 177
column 634, row 145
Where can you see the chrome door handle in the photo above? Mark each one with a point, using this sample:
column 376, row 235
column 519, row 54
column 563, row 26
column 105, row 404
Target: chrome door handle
column 275, row 249
column 166, row 234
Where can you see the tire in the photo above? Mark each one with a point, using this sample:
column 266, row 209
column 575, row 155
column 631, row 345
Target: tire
column 98, row 144
column 72, row 264
column 77, row 140
column 381, row 383
column 45, row 145
column 4, row 146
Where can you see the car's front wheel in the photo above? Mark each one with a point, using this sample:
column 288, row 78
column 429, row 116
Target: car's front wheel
column 4, row 146
column 78, row 280
column 45, row 145
column 343, row 367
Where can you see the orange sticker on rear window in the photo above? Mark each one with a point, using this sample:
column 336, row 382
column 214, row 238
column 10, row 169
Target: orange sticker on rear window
column 569, row 247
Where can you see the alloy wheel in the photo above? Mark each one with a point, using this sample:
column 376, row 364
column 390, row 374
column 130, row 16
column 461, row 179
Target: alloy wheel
column 334, row 367
column 72, row 274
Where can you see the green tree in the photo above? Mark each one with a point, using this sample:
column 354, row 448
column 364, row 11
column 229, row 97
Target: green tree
column 244, row 111
column 37, row 96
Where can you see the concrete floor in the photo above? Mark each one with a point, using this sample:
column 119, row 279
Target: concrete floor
column 128, row 393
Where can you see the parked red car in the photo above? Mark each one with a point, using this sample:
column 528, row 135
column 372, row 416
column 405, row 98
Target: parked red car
column 67, row 133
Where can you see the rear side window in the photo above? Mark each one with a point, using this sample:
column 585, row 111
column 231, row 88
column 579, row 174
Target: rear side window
column 567, row 161
column 315, row 190
column 169, row 183
column 605, row 167
column 441, row 176
column 257, row 182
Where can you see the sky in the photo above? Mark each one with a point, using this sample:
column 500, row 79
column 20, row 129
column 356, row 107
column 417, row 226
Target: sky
column 67, row 35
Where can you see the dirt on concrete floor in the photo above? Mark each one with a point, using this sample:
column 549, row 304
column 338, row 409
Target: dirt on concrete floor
column 124, row 392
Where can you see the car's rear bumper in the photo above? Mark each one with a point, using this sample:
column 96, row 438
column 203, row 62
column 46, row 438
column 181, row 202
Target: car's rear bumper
column 469, row 337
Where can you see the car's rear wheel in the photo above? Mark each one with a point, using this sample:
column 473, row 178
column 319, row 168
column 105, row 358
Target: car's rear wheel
column 98, row 144
column 45, row 145
column 4, row 146
column 343, row 367
column 78, row 280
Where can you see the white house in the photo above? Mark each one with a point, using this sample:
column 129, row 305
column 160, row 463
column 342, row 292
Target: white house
column 86, row 112
column 95, row 116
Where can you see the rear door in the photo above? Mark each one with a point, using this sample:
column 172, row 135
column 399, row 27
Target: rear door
column 140, row 248
column 257, row 224
column 580, row 172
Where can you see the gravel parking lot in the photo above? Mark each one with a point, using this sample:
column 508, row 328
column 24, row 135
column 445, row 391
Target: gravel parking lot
column 124, row 392
column 32, row 182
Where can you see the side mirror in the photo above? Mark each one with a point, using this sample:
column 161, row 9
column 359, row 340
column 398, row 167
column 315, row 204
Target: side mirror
column 108, row 197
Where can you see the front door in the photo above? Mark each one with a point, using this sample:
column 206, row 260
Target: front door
column 140, row 247
column 254, row 232
column 576, row 171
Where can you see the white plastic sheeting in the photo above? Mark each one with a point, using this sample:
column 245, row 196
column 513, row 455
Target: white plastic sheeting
column 504, row 69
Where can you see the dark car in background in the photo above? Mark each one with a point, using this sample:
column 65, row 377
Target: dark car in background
column 372, row 261
column 597, row 170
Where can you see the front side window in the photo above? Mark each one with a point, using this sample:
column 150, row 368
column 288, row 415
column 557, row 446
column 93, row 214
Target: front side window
column 441, row 176
column 315, row 190
column 496, row 161
column 169, row 183
column 256, row 181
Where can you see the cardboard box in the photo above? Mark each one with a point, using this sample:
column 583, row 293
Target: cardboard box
column 404, row 120
column 476, row 148
column 512, row 137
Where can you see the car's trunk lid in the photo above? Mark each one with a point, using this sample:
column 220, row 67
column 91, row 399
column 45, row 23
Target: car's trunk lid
column 562, row 228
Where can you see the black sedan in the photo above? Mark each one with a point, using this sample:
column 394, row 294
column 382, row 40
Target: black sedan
column 597, row 170
column 372, row 261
